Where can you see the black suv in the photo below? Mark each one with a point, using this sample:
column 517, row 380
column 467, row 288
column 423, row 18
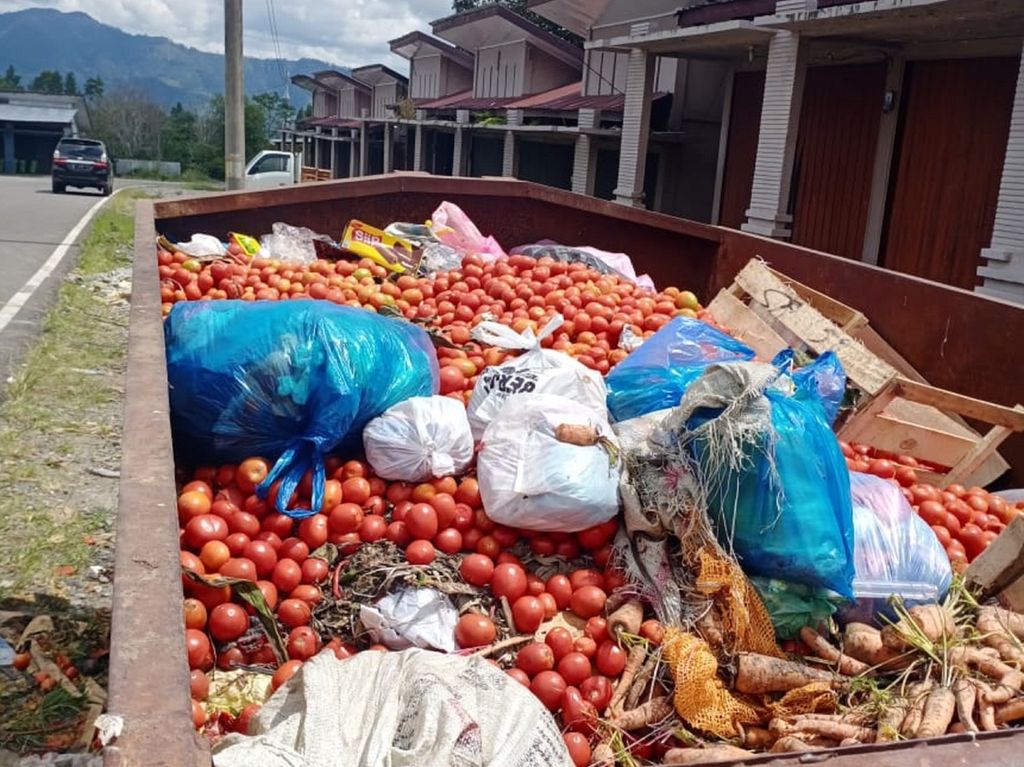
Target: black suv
column 81, row 162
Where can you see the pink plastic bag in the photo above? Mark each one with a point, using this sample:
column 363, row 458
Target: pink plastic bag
column 621, row 263
column 455, row 229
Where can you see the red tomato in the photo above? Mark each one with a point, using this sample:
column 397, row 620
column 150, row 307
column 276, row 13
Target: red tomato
column 579, row 748
column 534, row 585
column 420, row 552
column 597, row 629
column 932, row 512
column 279, row 524
column 550, row 606
column 527, row 613
column 293, row 548
column 345, row 518
column 597, row 690
column 595, row 537
column 578, row 713
column 560, row 641
column 243, row 522
column 192, row 504
column 372, row 528
column 239, row 567
column 314, row 570
column 245, row 717
column 308, row 593
column 882, row 468
column 535, row 657
column 973, row 539
column 421, row 521
column 200, row 653
column 574, row 668
column 509, row 581
column 286, row 575
column 520, row 676
column 198, row 714
column 313, row 531
column 449, row 540
column 585, row 645
column 951, row 523
column 452, row 379
column 293, row 613
column 611, row 659
column 227, row 622
column 468, row 493
column 195, row 614
column 262, row 555
column 580, row 578
column 285, row 672
column 476, row 569
column 445, row 507
column 488, row 546
column 250, row 473
column 560, row 588
column 236, row 543
column 652, row 631
column 203, row 528
column 199, row 684
column 474, row 630
column 588, row 601
column 464, row 517
column 398, row 534
column 549, row 687
column 303, row 643
column 356, row 490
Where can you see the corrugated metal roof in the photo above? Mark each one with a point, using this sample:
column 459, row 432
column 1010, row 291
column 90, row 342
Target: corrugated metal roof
column 570, row 98
column 446, row 101
column 24, row 113
column 334, row 122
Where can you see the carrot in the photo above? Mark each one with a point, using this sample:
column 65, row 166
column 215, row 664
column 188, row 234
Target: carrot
column 916, row 697
column 1007, row 619
column 634, row 661
column 1010, row 679
column 966, row 696
column 758, row 674
column 1010, row 712
column 864, row 643
column 849, row 742
column 824, row 650
column 986, row 710
column 627, row 617
column 755, row 737
column 888, row 725
column 993, row 623
column 933, row 621
column 574, row 434
column 789, row 744
column 710, row 754
column 938, row 712
column 823, row 728
column 651, row 712
column 603, row 755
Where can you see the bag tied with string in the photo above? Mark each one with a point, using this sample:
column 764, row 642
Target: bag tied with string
column 289, row 381
column 537, row 371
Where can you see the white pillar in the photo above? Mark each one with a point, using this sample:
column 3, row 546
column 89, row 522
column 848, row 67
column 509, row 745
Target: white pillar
column 316, row 150
column 459, row 153
column 584, row 159
column 885, row 150
column 364, row 147
column 389, row 149
column 417, row 151
column 1004, row 272
column 353, row 153
column 513, row 117
column 768, row 213
column 334, row 152
column 636, row 128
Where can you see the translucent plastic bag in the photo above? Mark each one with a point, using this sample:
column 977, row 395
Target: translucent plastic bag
column 454, row 228
column 823, row 382
column 776, row 482
column 421, row 438
column 895, row 552
column 537, row 370
column 657, row 373
column 288, row 380
column 532, row 480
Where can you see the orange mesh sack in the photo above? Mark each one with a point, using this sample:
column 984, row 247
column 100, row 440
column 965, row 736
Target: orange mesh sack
column 813, row 698
column 745, row 621
column 700, row 697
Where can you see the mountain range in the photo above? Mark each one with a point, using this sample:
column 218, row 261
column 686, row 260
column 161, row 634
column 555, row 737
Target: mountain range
column 39, row 39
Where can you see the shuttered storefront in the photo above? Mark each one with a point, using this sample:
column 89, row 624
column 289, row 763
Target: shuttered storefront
column 838, row 133
column 950, row 150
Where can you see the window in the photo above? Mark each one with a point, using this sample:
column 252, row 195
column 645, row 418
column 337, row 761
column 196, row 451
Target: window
column 271, row 163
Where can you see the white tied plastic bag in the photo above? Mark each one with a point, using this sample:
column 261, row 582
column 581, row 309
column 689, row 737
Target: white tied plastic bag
column 412, row 618
column 530, row 479
column 536, row 371
column 418, row 439
column 414, row 708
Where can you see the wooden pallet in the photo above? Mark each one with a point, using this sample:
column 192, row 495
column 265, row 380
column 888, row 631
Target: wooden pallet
column 898, row 410
column 309, row 173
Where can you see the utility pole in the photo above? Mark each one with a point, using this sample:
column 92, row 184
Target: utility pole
column 234, row 96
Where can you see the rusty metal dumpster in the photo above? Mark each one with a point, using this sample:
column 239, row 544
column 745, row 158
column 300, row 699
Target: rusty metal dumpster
column 955, row 338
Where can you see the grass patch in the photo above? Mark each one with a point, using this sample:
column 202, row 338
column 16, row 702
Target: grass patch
column 62, row 413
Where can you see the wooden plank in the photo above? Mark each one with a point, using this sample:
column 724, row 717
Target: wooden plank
column 881, row 348
column 1002, row 563
column 963, row 472
column 862, row 367
column 902, row 437
column 846, row 317
column 861, row 420
column 969, row 407
column 745, row 325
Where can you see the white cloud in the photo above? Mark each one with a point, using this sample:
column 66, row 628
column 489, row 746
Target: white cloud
column 348, row 32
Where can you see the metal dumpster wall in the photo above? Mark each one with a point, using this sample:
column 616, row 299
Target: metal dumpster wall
column 149, row 675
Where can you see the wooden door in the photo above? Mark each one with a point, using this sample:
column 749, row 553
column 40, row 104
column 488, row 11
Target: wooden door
column 741, row 147
column 950, row 150
column 838, row 133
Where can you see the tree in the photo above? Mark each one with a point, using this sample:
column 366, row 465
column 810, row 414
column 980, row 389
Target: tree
column 520, row 7
column 279, row 113
column 130, row 124
column 94, row 88
column 180, row 136
column 70, row 86
column 48, row 81
column 11, row 81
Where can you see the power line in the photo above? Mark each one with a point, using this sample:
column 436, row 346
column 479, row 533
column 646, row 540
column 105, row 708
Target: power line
column 276, row 41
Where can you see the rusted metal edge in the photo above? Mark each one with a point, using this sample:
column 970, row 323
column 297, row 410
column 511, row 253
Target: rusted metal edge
column 149, row 682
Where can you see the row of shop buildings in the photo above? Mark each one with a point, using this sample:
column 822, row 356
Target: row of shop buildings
column 888, row 131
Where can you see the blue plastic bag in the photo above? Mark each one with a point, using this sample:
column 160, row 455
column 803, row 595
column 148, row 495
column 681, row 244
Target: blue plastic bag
column 823, row 382
column 656, row 375
column 895, row 553
column 778, row 489
column 288, row 380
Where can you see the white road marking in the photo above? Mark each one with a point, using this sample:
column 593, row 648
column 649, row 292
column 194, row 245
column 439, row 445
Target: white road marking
column 22, row 297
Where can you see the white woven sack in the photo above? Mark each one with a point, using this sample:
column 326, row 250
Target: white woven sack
column 419, row 439
column 537, row 370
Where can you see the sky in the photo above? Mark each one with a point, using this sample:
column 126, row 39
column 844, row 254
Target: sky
column 345, row 32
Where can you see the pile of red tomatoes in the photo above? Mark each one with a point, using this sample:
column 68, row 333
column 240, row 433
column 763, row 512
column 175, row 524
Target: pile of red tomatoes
column 965, row 520
column 226, row 529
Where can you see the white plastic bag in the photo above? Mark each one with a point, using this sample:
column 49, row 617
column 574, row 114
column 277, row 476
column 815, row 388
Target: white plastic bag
column 538, row 370
column 532, row 480
column 419, row 439
column 412, row 618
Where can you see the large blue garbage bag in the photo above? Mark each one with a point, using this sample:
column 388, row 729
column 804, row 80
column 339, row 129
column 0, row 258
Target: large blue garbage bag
column 655, row 376
column 823, row 382
column 777, row 486
column 288, row 380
